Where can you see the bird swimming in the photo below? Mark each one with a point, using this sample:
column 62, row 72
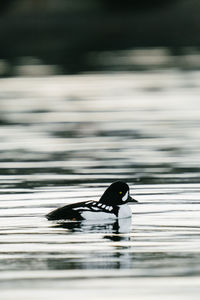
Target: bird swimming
column 111, row 205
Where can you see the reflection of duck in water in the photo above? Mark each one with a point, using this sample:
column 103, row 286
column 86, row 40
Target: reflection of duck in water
column 114, row 234
column 121, row 226
column 112, row 205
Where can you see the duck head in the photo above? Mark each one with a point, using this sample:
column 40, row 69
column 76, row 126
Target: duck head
column 118, row 193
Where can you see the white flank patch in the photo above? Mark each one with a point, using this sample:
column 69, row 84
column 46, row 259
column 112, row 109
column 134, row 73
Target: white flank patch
column 125, row 197
column 89, row 215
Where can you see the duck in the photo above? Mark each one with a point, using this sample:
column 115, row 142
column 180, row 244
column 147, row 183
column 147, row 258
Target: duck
column 113, row 204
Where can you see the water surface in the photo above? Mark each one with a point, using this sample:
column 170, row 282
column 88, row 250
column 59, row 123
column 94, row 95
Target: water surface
column 65, row 139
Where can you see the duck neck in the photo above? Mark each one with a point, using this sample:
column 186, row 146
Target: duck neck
column 106, row 200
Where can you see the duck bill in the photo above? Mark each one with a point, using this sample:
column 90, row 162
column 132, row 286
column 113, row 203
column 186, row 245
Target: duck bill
column 130, row 199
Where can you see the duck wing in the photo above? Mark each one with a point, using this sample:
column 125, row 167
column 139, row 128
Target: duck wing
column 70, row 211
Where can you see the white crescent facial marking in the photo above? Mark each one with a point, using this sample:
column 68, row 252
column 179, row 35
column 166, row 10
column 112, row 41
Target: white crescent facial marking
column 125, row 197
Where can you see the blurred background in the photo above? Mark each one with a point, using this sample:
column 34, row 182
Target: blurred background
column 75, row 36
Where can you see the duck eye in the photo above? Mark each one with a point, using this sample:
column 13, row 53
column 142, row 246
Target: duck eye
column 120, row 193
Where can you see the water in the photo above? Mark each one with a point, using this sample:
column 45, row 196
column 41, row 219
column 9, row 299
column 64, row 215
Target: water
column 65, row 139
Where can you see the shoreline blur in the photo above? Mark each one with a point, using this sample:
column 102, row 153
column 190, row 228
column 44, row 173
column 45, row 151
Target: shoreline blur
column 73, row 38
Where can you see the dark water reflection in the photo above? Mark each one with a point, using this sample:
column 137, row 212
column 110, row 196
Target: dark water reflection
column 112, row 226
column 64, row 139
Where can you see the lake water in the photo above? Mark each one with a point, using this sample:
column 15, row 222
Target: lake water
column 65, row 139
